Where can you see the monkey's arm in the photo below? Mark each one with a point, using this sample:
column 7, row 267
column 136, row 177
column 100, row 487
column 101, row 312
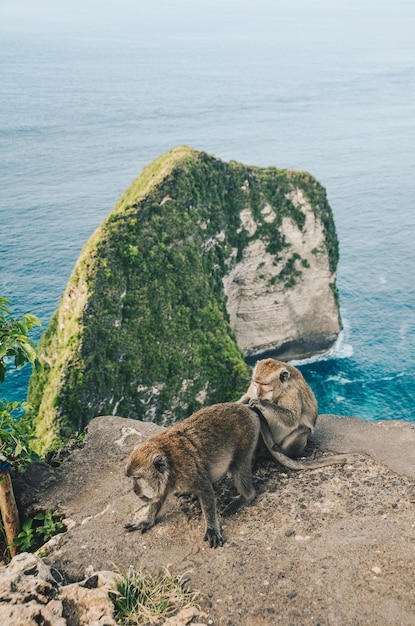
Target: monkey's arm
column 251, row 393
column 273, row 411
column 148, row 520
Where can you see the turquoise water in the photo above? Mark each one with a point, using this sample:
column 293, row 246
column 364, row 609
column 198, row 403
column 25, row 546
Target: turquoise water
column 86, row 103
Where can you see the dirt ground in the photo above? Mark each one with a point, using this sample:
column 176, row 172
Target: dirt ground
column 331, row 546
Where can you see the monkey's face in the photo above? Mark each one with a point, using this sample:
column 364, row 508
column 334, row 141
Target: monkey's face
column 263, row 390
column 270, row 379
column 143, row 488
column 150, row 475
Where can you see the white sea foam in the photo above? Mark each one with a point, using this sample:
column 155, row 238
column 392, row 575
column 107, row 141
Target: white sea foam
column 340, row 379
column 341, row 349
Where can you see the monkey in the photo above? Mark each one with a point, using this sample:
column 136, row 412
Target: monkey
column 191, row 455
column 281, row 393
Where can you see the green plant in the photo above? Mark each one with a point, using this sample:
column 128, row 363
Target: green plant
column 4, row 551
column 141, row 598
column 16, row 347
column 15, row 429
column 16, row 434
column 14, row 341
column 50, row 526
column 26, row 539
column 38, row 530
column 289, row 272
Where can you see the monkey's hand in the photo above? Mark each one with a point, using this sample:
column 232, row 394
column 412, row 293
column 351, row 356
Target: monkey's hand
column 142, row 525
column 214, row 537
column 253, row 402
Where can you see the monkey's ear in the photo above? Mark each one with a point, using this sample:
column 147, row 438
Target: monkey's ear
column 160, row 463
column 284, row 375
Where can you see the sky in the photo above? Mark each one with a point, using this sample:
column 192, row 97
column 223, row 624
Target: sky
column 174, row 16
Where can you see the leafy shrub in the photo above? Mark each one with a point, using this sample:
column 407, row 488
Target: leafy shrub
column 15, row 345
column 16, row 432
column 38, row 530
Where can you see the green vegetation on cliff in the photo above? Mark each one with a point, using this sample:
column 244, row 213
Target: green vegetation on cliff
column 142, row 330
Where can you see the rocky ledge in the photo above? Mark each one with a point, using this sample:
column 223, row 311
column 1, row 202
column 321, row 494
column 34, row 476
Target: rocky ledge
column 333, row 546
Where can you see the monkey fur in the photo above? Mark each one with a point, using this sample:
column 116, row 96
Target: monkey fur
column 281, row 393
column 191, row 455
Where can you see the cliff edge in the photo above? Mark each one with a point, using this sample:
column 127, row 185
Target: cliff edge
column 333, row 546
column 200, row 266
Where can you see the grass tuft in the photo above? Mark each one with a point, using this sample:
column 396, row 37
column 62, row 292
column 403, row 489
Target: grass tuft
column 142, row 598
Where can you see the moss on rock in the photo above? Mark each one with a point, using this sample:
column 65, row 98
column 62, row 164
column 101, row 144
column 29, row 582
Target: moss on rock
column 142, row 330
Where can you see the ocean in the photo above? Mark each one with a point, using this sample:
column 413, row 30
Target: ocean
column 90, row 95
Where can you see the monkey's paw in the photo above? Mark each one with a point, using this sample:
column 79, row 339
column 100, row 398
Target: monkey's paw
column 143, row 525
column 244, row 400
column 255, row 402
column 214, row 537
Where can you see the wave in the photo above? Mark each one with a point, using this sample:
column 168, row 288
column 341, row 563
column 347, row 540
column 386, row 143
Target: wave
column 341, row 349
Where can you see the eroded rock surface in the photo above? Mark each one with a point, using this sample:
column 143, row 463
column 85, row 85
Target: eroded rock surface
column 31, row 593
column 266, row 316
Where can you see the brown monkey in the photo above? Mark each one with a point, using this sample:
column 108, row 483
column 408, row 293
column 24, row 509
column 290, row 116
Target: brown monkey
column 191, row 455
column 281, row 393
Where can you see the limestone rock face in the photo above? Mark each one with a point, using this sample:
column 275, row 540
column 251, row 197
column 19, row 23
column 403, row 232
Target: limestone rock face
column 201, row 265
column 286, row 321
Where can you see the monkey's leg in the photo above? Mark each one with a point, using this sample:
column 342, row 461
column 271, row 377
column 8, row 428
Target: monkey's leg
column 149, row 520
column 208, row 504
column 242, row 477
column 295, row 442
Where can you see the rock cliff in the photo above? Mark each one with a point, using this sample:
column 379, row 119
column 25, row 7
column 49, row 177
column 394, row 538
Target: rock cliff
column 298, row 316
column 201, row 265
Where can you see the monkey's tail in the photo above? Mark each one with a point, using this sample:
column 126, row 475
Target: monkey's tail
column 289, row 463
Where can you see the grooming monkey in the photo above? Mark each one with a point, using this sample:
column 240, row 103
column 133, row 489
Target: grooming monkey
column 281, row 393
column 193, row 454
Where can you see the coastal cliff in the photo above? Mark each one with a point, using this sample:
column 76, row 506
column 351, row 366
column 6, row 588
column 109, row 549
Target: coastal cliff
column 284, row 305
column 201, row 266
